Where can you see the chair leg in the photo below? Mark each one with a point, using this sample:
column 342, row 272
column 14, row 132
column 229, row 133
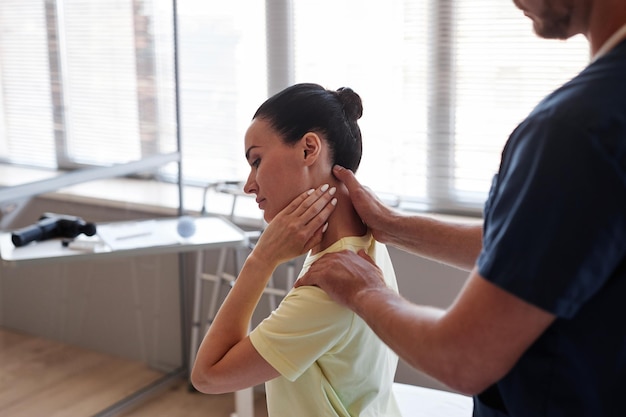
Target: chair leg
column 217, row 286
column 197, row 303
column 198, row 300
column 291, row 274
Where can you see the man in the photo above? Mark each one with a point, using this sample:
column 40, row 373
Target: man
column 537, row 329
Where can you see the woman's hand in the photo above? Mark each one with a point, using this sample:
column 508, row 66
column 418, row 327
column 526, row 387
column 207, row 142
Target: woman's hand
column 298, row 227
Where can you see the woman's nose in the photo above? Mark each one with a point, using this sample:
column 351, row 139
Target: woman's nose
column 250, row 185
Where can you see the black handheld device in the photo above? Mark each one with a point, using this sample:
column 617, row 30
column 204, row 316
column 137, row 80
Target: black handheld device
column 50, row 226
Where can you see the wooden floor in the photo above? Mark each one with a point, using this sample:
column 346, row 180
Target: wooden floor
column 39, row 377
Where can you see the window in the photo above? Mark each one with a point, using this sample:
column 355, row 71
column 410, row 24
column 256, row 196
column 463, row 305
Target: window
column 81, row 83
column 223, row 79
column 443, row 83
column 27, row 134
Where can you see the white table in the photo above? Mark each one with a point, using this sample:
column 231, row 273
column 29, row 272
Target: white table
column 132, row 238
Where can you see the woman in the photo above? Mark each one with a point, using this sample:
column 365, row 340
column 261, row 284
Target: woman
column 316, row 357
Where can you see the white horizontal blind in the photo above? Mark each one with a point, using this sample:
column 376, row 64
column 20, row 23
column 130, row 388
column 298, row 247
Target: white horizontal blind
column 443, row 83
column 27, row 131
column 223, row 80
column 99, row 81
column 86, row 82
column 502, row 71
column 379, row 50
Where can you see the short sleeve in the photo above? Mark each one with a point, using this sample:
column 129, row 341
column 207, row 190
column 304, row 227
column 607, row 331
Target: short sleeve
column 555, row 218
column 306, row 325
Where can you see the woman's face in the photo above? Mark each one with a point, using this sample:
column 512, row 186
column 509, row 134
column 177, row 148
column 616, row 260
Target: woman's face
column 277, row 170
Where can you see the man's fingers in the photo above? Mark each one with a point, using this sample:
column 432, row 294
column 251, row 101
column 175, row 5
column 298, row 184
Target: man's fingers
column 346, row 176
column 365, row 256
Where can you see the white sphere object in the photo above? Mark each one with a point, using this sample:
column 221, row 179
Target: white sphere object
column 186, row 226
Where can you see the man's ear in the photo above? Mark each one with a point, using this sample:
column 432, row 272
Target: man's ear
column 312, row 147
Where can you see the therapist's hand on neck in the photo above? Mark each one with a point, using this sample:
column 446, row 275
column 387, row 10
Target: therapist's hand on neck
column 374, row 213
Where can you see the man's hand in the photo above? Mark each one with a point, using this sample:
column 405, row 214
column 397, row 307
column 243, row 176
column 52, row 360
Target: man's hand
column 372, row 211
column 297, row 228
column 344, row 276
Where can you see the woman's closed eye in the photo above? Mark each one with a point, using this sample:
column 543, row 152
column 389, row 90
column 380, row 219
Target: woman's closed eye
column 255, row 162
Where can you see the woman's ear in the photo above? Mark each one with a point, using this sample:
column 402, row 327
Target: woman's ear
column 312, row 147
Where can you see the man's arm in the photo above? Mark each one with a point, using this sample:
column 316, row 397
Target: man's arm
column 451, row 243
column 454, row 244
column 468, row 347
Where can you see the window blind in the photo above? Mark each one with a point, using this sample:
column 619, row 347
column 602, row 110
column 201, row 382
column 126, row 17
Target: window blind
column 502, row 70
column 223, row 79
column 27, row 135
column 99, row 81
column 84, row 83
column 380, row 51
column 443, row 83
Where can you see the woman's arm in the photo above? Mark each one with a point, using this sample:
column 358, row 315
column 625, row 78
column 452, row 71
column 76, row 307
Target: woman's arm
column 451, row 243
column 226, row 360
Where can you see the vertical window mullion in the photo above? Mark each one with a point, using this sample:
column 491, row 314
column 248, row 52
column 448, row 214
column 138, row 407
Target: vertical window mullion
column 147, row 93
column 441, row 105
column 280, row 45
column 55, row 46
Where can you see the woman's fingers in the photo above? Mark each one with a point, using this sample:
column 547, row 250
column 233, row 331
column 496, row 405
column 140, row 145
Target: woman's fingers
column 298, row 227
column 312, row 215
column 310, row 203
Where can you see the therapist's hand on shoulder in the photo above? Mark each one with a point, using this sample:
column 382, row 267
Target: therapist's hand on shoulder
column 297, row 228
column 344, row 276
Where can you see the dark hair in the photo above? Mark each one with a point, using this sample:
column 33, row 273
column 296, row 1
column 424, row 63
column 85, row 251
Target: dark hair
column 304, row 108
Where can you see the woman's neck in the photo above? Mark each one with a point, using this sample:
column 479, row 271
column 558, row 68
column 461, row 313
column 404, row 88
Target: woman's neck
column 343, row 222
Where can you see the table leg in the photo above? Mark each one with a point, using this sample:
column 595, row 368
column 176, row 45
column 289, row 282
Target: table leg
column 244, row 403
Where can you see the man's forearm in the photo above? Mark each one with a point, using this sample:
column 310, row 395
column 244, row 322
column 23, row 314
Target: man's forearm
column 408, row 329
column 454, row 244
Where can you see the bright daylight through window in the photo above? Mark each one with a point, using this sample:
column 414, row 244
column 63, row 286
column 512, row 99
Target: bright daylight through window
column 443, row 84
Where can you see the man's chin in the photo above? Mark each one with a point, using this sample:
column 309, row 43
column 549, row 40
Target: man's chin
column 553, row 29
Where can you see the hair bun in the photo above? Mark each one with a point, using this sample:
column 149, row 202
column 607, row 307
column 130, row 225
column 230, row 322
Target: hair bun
column 351, row 102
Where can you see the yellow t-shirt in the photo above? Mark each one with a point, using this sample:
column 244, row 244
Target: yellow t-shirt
column 331, row 363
